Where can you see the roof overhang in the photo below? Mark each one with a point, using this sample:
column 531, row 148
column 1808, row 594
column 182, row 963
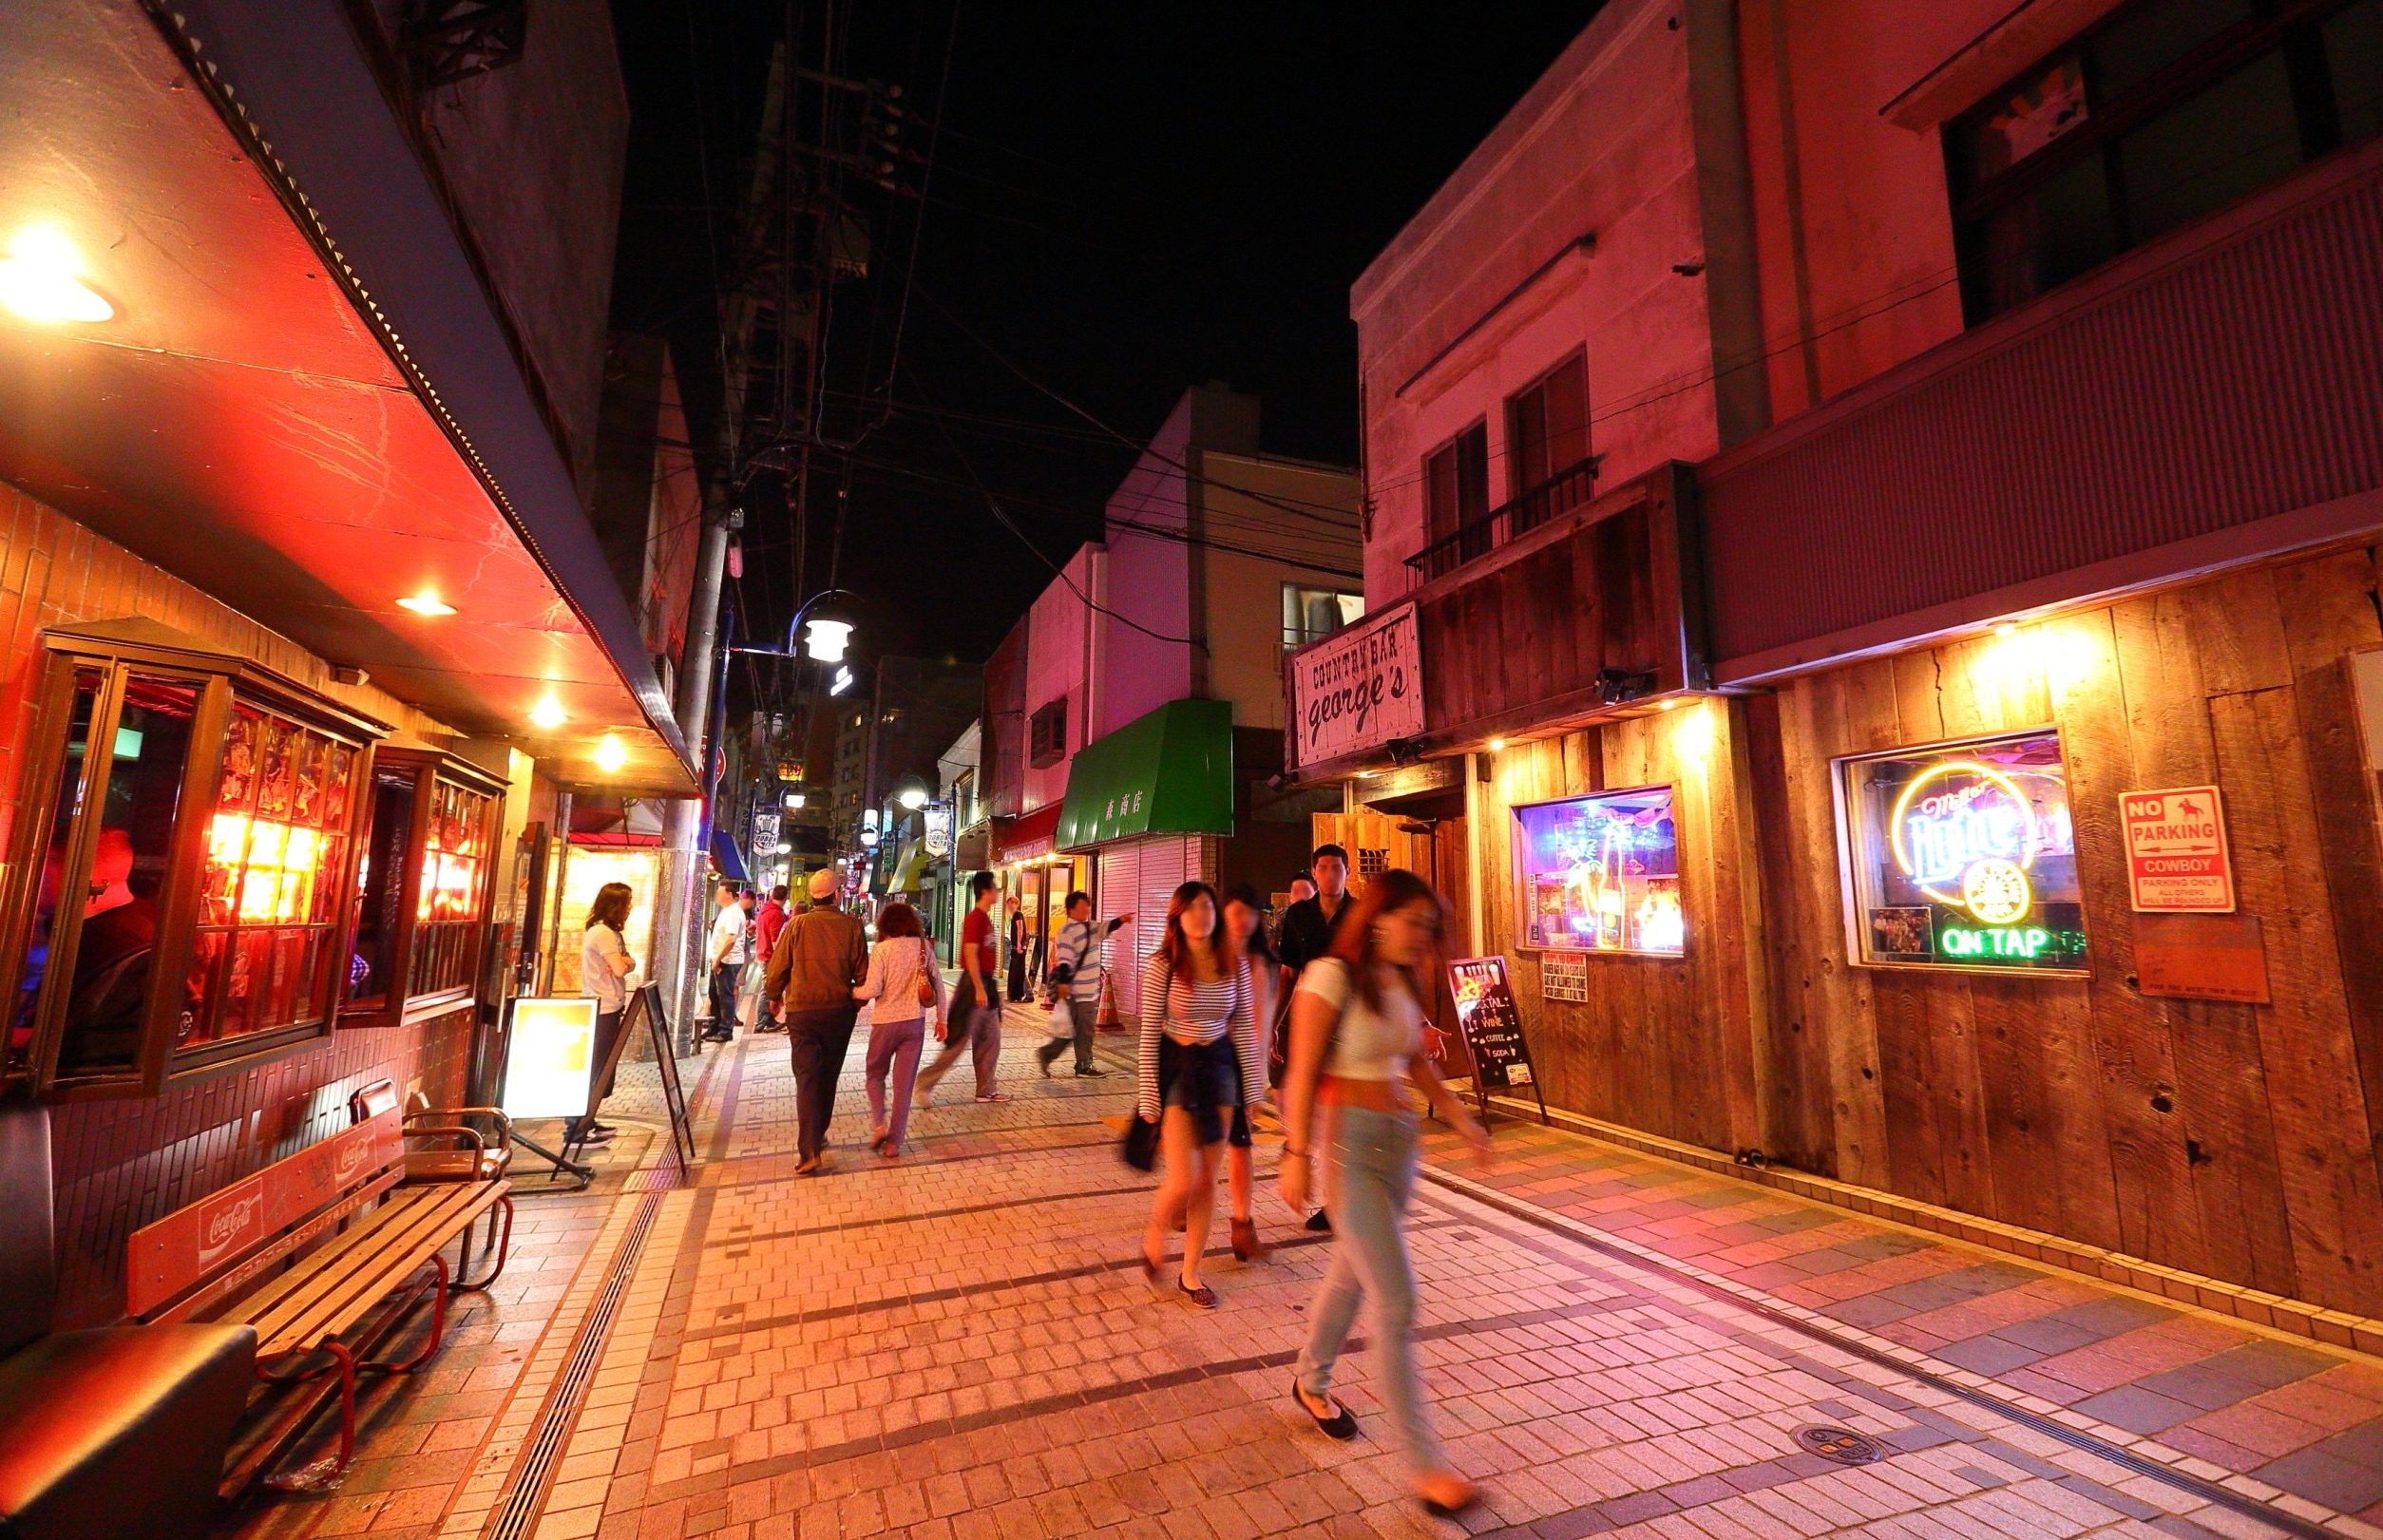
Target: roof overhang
column 306, row 404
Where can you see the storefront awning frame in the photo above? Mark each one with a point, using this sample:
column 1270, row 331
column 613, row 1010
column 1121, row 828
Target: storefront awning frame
column 1169, row 771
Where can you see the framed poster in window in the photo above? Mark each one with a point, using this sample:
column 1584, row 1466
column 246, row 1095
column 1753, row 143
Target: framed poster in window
column 1964, row 855
column 422, row 886
column 1600, row 873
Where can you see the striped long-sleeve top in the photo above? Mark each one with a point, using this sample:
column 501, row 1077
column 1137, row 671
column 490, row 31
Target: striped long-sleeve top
column 1177, row 1006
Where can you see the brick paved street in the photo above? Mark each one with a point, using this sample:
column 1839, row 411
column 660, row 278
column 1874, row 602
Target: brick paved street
column 959, row 1345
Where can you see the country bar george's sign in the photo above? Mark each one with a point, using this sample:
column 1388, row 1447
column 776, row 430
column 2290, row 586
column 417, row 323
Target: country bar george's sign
column 2177, row 860
column 1357, row 689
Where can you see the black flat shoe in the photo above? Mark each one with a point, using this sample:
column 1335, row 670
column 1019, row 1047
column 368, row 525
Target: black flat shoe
column 1202, row 1297
column 1320, row 1222
column 1341, row 1425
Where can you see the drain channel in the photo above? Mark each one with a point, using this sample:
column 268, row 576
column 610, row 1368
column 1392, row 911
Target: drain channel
column 533, row 1477
column 1581, row 1235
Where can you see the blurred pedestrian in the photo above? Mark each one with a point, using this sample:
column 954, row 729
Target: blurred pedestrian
column 1014, row 929
column 1357, row 1031
column 1303, row 887
column 1198, row 1063
column 605, row 969
column 821, row 956
column 769, row 922
column 973, row 1024
column 1246, row 938
column 1308, row 927
column 904, row 986
column 1076, row 974
column 749, row 1012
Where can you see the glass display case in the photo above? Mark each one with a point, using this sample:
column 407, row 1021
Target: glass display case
column 421, row 886
column 1964, row 856
column 179, row 869
column 1600, row 873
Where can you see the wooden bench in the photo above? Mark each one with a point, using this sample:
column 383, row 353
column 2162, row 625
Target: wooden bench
column 321, row 1253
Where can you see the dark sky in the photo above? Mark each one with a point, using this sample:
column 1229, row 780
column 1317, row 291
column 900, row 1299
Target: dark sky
column 1125, row 200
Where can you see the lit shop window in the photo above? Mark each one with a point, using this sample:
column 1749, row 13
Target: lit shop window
column 1964, row 856
column 1601, row 873
column 178, row 869
column 422, row 886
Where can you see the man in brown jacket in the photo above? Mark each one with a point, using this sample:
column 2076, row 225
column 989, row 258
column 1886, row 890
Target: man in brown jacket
column 819, row 957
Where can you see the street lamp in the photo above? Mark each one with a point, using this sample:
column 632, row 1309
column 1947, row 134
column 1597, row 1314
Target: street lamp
column 827, row 634
column 912, row 797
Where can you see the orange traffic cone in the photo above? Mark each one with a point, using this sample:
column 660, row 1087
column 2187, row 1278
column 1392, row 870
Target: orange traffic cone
column 1108, row 1021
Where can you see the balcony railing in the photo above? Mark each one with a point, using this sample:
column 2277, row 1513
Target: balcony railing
column 1560, row 493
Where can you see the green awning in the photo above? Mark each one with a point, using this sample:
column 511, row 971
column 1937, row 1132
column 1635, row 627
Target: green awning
column 1169, row 773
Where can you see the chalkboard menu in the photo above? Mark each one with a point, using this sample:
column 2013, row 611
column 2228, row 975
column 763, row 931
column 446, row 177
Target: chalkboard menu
column 1493, row 1029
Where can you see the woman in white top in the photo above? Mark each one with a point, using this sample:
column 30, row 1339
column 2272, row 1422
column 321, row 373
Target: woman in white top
column 604, row 968
column 906, row 984
column 1199, row 1061
column 1357, row 1031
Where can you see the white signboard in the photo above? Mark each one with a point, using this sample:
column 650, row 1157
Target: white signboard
column 1357, row 689
column 550, row 1058
column 2176, row 851
column 939, row 832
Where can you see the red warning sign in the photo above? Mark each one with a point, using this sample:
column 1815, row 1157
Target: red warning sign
column 2176, row 851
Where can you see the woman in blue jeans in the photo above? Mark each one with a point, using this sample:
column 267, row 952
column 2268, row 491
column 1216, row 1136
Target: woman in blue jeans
column 1357, row 1031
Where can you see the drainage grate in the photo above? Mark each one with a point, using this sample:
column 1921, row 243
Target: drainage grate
column 533, row 1476
column 1842, row 1445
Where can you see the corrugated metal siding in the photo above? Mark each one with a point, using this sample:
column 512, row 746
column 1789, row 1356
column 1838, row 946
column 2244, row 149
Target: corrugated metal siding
column 2240, row 382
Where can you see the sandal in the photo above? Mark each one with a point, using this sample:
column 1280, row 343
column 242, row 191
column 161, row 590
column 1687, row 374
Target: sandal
column 1463, row 1497
column 1202, row 1297
column 1341, row 1424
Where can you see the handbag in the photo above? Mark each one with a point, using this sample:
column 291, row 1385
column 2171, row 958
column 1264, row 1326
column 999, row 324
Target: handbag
column 1140, row 1149
column 1060, row 1025
column 924, row 990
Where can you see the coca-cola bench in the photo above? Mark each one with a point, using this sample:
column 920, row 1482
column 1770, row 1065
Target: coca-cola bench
column 324, row 1255
column 114, row 1430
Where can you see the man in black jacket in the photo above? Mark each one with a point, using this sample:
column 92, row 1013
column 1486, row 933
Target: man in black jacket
column 1308, row 930
column 1308, row 925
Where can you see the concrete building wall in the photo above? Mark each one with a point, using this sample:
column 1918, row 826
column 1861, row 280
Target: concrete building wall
column 532, row 156
column 1057, row 660
column 1484, row 289
column 1243, row 592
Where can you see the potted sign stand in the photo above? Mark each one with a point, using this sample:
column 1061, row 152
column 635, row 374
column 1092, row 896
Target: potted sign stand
column 1491, row 1027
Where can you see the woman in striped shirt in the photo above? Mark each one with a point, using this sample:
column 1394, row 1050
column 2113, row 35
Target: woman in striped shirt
column 1199, row 1061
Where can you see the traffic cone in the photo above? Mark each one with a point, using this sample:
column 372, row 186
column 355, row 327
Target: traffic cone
column 1108, row 1021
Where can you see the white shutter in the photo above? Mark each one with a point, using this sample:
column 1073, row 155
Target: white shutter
column 1119, row 888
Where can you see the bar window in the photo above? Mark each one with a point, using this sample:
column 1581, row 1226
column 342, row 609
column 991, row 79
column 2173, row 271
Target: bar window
column 421, row 887
column 1965, row 856
column 2164, row 113
column 177, row 874
column 1601, row 873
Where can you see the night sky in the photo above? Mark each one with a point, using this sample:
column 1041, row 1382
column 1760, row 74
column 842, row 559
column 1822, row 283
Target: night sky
column 1122, row 202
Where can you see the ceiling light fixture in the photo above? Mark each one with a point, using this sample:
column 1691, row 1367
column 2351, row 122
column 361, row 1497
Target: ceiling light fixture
column 548, row 714
column 610, row 756
column 1496, row 745
column 426, row 603
column 41, row 280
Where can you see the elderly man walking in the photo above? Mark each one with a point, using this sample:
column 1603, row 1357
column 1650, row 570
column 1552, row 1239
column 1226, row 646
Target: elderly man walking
column 820, row 956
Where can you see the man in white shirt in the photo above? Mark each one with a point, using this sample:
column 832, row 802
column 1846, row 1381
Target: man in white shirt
column 730, row 939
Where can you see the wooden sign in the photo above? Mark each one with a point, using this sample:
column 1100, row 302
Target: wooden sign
column 1357, row 689
column 1491, row 1028
column 2177, row 860
column 1564, row 976
column 2201, row 956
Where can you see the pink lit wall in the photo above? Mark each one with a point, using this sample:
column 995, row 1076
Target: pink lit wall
column 1058, row 655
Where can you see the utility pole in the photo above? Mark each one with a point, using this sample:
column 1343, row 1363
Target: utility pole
column 678, row 908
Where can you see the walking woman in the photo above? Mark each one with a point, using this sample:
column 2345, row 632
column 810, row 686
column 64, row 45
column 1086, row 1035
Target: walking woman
column 604, row 968
column 905, row 984
column 1246, row 938
column 1199, row 1064
column 1357, row 1031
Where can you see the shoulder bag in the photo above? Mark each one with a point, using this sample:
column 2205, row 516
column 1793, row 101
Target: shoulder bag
column 1140, row 1146
column 924, row 990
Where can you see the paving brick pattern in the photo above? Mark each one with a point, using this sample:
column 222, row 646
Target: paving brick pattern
column 959, row 1343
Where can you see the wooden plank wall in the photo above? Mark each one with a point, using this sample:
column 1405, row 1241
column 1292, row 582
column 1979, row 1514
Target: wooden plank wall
column 1666, row 1045
column 2237, row 1141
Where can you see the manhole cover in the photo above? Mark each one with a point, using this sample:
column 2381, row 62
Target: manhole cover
column 1842, row 1445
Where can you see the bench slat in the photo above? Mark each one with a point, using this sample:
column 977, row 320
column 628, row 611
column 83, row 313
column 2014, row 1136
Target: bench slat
column 256, row 1306
column 341, row 1284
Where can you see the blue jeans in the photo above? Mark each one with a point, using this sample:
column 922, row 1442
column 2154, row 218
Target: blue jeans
column 1373, row 1169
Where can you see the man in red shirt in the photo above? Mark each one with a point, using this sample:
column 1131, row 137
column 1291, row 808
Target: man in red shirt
column 974, row 1020
column 766, row 926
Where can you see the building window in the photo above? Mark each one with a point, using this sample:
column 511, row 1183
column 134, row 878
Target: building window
column 1547, row 429
column 178, row 885
column 1046, row 734
column 1964, row 856
column 1455, row 490
column 2167, row 111
column 1314, row 614
column 422, row 886
column 1601, row 873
